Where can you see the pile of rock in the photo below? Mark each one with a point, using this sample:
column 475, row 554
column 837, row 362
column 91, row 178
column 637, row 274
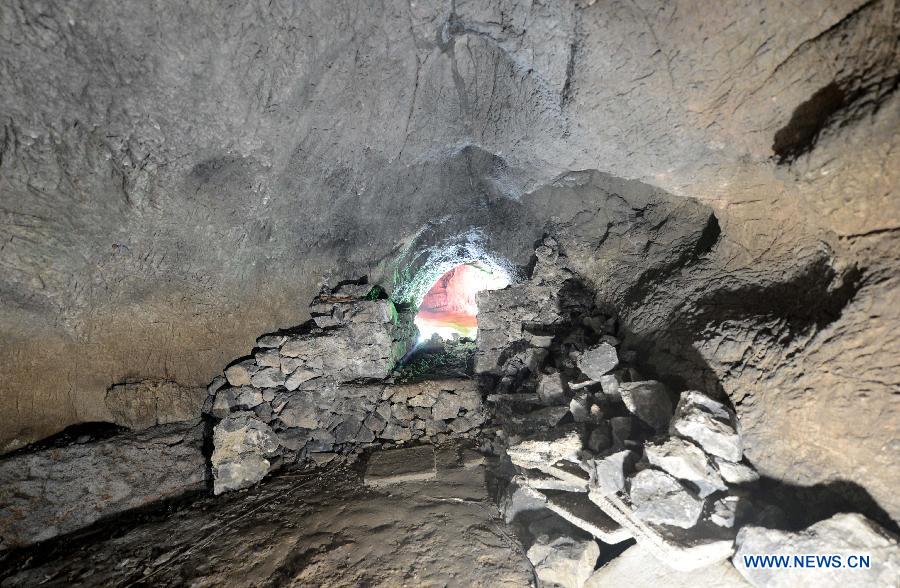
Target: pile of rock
column 601, row 455
column 325, row 390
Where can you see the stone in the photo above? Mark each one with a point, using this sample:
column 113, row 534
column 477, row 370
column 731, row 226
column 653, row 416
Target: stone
column 243, row 446
column 709, row 424
column 637, row 566
column 844, row 535
column 609, row 473
column 649, row 401
column 600, row 438
column 517, row 499
column 610, row 386
column 550, row 390
column 621, row 428
column 598, row 361
column 580, row 407
column 576, row 508
column 374, row 422
column 347, row 431
column 723, row 511
column 322, row 457
column 395, row 432
column 215, row 385
column 686, row 462
column 735, row 473
column 447, row 406
column 268, row 377
column 559, row 558
column 661, row 499
column 300, row 411
column 245, row 397
column 461, row 424
column 396, row 466
column 534, row 453
column 401, row 412
column 422, row 400
column 298, row 377
column 50, row 492
column 270, row 341
column 268, row 358
column 144, row 404
column 238, row 374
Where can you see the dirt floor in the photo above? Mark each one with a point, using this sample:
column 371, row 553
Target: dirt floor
column 322, row 528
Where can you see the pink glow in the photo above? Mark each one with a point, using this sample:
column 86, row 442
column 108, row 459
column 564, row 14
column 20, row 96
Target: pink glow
column 450, row 307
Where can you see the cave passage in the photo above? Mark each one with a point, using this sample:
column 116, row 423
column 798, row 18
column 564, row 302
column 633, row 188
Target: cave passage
column 449, row 308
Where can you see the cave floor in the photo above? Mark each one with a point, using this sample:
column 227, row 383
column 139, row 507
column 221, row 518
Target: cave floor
column 320, row 528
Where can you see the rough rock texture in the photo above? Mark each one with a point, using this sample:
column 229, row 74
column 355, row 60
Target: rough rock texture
column 173, row 180
column 638, row 567
column 53, row 491
column 321, row 529
column 139, row 405
column 659, row 498
column 561, row 556
column 843, row 535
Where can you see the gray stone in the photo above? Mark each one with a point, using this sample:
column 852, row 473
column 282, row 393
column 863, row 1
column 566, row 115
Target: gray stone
column 461, row 424
column 686, row 462
column 410, row 464
column 723, row 511
column 374, row 422
column 401, row 412
column 649, row 401
column 243, row 446
column 347, row 431
column 214, row 386
column 268, row 377
column 298, row 377
column 600, row 438
column 621, row 428
column 395, row 432
column 610, row 386
column 239, row 373
column 709, row 424
column 580, row 407
column 143, row 404
column 735, row 473
column 539, row 453
column 53, row 491
column 550, row 390
column 301, row 411
column 609, row 473
column 268, row 358
column 598, row 361
column 843, row 535
column 270, row 341
column 661, row 499
column 422, row 400
column 561, row 558
column 447, row 406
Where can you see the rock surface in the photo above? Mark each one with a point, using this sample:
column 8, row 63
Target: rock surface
column 560, row 556
column 54, row 491
column 139, row 405
column 659, row 498
column 638, row 567
column 649, row 401
column 843, row 536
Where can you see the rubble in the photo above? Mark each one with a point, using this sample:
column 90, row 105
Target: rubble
column 649, row 401
column 709, row 424
column 659, row 498
column 686, row 462
column 560, row 557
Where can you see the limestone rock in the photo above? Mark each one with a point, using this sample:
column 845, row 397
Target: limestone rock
column 560, row 557
column 708, row 423
column 686, row 462
column 598, row 361
column 735, row 473
column 243, row 446
column 534, row 453
column 638, row 567
column 649, row 401
column 659, row 498
column 609, row 473
column 844, row 535
column 139, row 405
column 50, row 492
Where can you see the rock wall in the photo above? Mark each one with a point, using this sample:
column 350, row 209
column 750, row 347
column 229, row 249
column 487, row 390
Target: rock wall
column 325, row 390
column 57, row 490
column 173, row 180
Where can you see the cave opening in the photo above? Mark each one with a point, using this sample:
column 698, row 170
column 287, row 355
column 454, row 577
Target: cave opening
column 449, row 309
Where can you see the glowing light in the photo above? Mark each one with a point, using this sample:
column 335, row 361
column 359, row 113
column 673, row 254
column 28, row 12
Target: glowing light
column 449, row 308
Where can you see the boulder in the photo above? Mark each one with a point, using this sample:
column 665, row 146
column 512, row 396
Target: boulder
column 708, row 423
column 560, row 555
column 608, row 474
column 845, row 537
column 268, row 377
column 649, row 401
column 659, row 498
column 686, row 462
column 735, row 473
column 53, row 491
column 598, row 361
column 243, row 446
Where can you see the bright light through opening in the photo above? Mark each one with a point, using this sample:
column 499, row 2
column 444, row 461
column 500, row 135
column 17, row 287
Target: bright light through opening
column 449, row 308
